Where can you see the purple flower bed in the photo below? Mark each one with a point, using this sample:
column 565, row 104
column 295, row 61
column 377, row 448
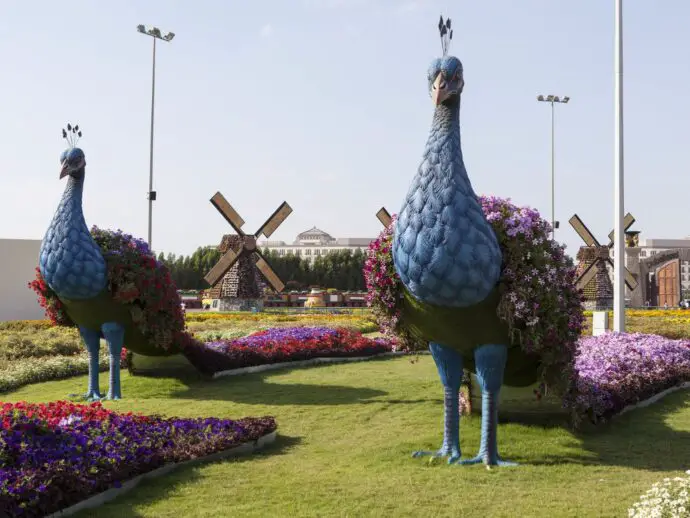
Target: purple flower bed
column 53, row 456
column 281, row 334
column 615, row 370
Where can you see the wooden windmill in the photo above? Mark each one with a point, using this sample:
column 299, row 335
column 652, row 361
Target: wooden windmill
column 594, row 259
column 242, row 247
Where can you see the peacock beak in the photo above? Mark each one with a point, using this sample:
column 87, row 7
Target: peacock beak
column 65, row 170
column 440, row 90
column 68, row 169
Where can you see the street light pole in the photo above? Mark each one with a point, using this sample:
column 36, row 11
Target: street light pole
column 552, row 99
column 618, row 201
column 155, row 33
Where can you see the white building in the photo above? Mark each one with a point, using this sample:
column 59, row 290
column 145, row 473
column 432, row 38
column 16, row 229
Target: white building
column 18, row 260
column 314, row 242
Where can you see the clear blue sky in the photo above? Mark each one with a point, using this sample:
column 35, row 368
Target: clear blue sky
column 323, row 103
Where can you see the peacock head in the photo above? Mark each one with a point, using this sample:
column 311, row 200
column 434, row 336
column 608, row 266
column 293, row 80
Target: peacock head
column 445, row 73
column 72, row 159
column 446, row 80
column 73, row 163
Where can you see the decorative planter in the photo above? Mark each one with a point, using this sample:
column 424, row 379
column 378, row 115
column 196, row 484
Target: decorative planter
column 315, row 299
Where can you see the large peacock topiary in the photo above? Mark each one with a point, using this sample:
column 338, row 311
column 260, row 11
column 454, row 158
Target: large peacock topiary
column 108, row 284
column 477, row 279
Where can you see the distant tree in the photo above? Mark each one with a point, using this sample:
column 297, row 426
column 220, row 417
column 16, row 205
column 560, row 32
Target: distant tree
column 341, row 269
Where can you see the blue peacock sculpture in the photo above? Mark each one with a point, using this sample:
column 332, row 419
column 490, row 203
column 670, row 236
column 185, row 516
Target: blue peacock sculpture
column 449, row 261
column 85, row 275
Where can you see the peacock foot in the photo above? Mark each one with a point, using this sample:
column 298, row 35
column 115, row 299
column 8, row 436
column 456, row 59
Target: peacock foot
column 488, row 460
column 113, row 396
column 93, row 395
column 452, row 453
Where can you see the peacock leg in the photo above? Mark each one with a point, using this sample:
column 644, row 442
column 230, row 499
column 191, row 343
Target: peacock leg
column 490, row 363
column 114, row 334
column 92, row 340
column 449, row 365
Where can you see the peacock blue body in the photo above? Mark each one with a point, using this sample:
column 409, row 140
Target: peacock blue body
column 71, row 262
column 444, row 249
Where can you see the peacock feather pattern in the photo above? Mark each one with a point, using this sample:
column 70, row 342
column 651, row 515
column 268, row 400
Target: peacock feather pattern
column 445, row 251
column 71, row 262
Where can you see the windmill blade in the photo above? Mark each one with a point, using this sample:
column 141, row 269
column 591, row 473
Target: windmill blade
column 587, row 276
column 629, row 277
column 268, row 273
column 275, row 220
column 226, row 210
column 627, row 223
column 583, row 231
column 384, row 216
column 222, row 266
column 630, row 280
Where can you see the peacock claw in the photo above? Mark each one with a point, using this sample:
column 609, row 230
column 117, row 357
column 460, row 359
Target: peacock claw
column 110, row 397
column 453, row 455
column 479, row 459
column 92, row 397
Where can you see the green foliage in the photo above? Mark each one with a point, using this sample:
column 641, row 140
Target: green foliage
column 188, row 272
column 35, row 370
column 32, row 353
column 340, row 270
column 54, row 341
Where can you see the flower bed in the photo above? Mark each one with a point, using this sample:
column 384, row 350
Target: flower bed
column 669, row 498
column 286, row 344
column 55, row 455
column 615, row 370
column 206, row 323
column 33, row 353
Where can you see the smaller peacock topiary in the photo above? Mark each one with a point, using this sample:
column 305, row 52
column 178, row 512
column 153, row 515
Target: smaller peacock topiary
column 107, row 284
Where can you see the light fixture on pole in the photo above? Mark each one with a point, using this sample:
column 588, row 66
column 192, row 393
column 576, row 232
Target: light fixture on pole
column 156, row 34
column 553, row 99
column 618, row 200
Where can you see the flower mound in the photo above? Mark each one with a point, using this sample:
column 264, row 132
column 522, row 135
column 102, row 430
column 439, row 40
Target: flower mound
column 615, row 370
column 135, row 278
column 670, row 498
column 540, row 302
column 286, row 344
column 55, row 455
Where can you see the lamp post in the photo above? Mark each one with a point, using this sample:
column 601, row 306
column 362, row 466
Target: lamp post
column 156, row 34
column 618, row 201
column 553, row 99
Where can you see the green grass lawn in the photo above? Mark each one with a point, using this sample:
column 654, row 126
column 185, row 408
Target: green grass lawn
column 346, row 433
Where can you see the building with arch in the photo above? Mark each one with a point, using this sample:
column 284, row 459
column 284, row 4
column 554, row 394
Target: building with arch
column 315, row 242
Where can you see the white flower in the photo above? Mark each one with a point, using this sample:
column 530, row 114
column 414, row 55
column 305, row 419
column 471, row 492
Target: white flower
column 669, row 498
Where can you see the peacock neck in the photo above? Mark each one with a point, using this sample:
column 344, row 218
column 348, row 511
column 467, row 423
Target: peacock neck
column 70, row 211
column 444, row 140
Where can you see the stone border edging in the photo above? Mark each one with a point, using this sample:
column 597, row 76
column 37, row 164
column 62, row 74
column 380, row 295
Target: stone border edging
column 112, row 493
column 302, row 363
column 654, row 398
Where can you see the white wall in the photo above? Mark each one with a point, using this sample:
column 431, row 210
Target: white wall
column 18, row 262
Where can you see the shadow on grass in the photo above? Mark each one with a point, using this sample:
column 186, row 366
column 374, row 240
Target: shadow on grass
column 154, row 490
column 254, row 389
column 641, row 439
